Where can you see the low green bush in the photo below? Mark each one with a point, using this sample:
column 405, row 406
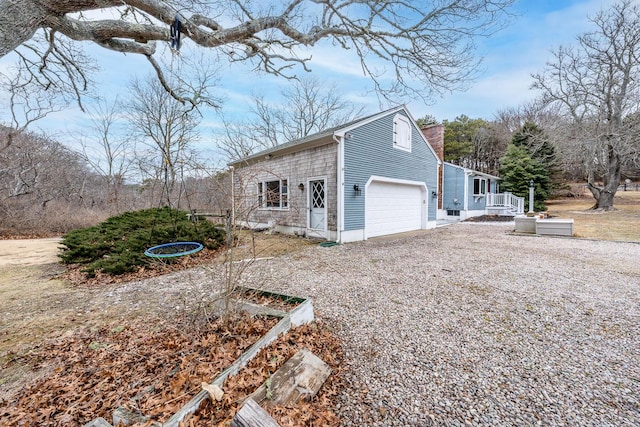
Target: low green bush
column 116, row 246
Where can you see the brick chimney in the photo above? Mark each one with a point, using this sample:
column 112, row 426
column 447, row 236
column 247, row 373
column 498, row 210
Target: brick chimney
column 434, row 133
column 435, row 136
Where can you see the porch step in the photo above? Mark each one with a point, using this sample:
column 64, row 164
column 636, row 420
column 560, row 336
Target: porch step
column 501, row 211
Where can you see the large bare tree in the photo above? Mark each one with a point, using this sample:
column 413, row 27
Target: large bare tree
column 109, row 150
column 167, row 128
column 308, row 106
column 597, row 89
column 427, row 46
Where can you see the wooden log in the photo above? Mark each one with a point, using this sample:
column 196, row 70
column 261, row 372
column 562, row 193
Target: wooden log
column 252, row 415
column 281, row 327
column 299, row 378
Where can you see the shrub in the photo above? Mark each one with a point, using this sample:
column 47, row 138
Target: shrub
column 116, row 246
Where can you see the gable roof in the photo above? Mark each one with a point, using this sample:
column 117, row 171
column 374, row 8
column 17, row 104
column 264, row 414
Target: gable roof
column 473, row 172
column 324, row 137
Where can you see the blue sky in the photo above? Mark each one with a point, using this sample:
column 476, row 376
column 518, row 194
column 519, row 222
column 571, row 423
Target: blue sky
column 513, row 54
column 510, row 57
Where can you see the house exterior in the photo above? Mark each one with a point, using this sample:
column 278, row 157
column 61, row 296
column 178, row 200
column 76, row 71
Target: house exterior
column 371, row 177
column 465, row 192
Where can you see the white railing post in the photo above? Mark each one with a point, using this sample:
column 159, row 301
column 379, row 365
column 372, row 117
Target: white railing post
column 507, row 200
column 520, row 205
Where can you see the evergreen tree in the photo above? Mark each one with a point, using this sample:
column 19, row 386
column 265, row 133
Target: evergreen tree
column 427, row 120
column 459, row 137
column 534, row 140
column 517, row 169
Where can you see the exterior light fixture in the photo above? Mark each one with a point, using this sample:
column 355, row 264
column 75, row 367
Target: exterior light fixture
column 301, row 187
column 356, row 190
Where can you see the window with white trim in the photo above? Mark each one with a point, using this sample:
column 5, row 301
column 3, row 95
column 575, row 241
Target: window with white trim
column 479, row 186
column 273, row 194
column 401, row 133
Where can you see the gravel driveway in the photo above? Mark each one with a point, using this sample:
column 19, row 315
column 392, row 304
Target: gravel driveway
column 471, row 325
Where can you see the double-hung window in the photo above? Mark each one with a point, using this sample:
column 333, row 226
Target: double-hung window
column 273, row 194
column 479, row 186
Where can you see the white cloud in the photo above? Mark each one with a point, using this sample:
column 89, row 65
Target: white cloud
column 512, row 56
column 336, row 60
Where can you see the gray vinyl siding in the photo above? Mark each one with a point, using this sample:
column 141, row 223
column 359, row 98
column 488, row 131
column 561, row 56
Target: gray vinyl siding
column 453, row 178
column 369, row 151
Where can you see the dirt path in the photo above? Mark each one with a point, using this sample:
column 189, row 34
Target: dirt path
column 32, row 303
column 29, row 251
column 36, row 304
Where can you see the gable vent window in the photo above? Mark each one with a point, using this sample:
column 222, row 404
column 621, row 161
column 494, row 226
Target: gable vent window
column 401, row 133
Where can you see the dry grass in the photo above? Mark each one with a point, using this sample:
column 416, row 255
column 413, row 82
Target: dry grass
column 54, row 220
column 37, row 303
column 257, row 245
column 622, row 224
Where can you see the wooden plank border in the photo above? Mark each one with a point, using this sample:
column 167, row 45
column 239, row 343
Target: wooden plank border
column 301, row 314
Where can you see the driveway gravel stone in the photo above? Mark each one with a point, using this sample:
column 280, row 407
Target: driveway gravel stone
column 470, row 324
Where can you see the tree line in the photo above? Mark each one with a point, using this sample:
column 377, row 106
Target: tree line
column 585, row 124
column 47, row 188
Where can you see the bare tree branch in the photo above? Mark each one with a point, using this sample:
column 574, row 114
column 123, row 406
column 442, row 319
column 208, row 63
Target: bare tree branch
column 308, row 106
column 426, row 47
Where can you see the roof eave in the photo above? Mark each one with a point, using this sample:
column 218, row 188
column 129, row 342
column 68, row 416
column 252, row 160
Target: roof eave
column 279, row 151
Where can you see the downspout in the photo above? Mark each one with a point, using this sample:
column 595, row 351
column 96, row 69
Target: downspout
column 339, row 139
column 466, row 192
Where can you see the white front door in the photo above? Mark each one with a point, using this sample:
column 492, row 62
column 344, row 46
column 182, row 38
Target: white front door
column 317, row 207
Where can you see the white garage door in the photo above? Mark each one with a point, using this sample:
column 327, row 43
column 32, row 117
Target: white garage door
column 392, row 208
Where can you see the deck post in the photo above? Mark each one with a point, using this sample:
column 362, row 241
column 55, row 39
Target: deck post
column 531, row 196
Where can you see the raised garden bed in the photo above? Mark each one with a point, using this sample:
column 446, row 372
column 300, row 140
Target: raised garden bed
column 156, row 369
column 554, row 227
column 301, row 314
column 153, row 369
column 544, row 226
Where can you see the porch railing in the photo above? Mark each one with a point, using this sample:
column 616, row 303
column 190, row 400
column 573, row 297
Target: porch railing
column 506, row 200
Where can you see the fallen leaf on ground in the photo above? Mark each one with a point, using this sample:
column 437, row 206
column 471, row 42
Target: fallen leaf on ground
column 214, row 391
